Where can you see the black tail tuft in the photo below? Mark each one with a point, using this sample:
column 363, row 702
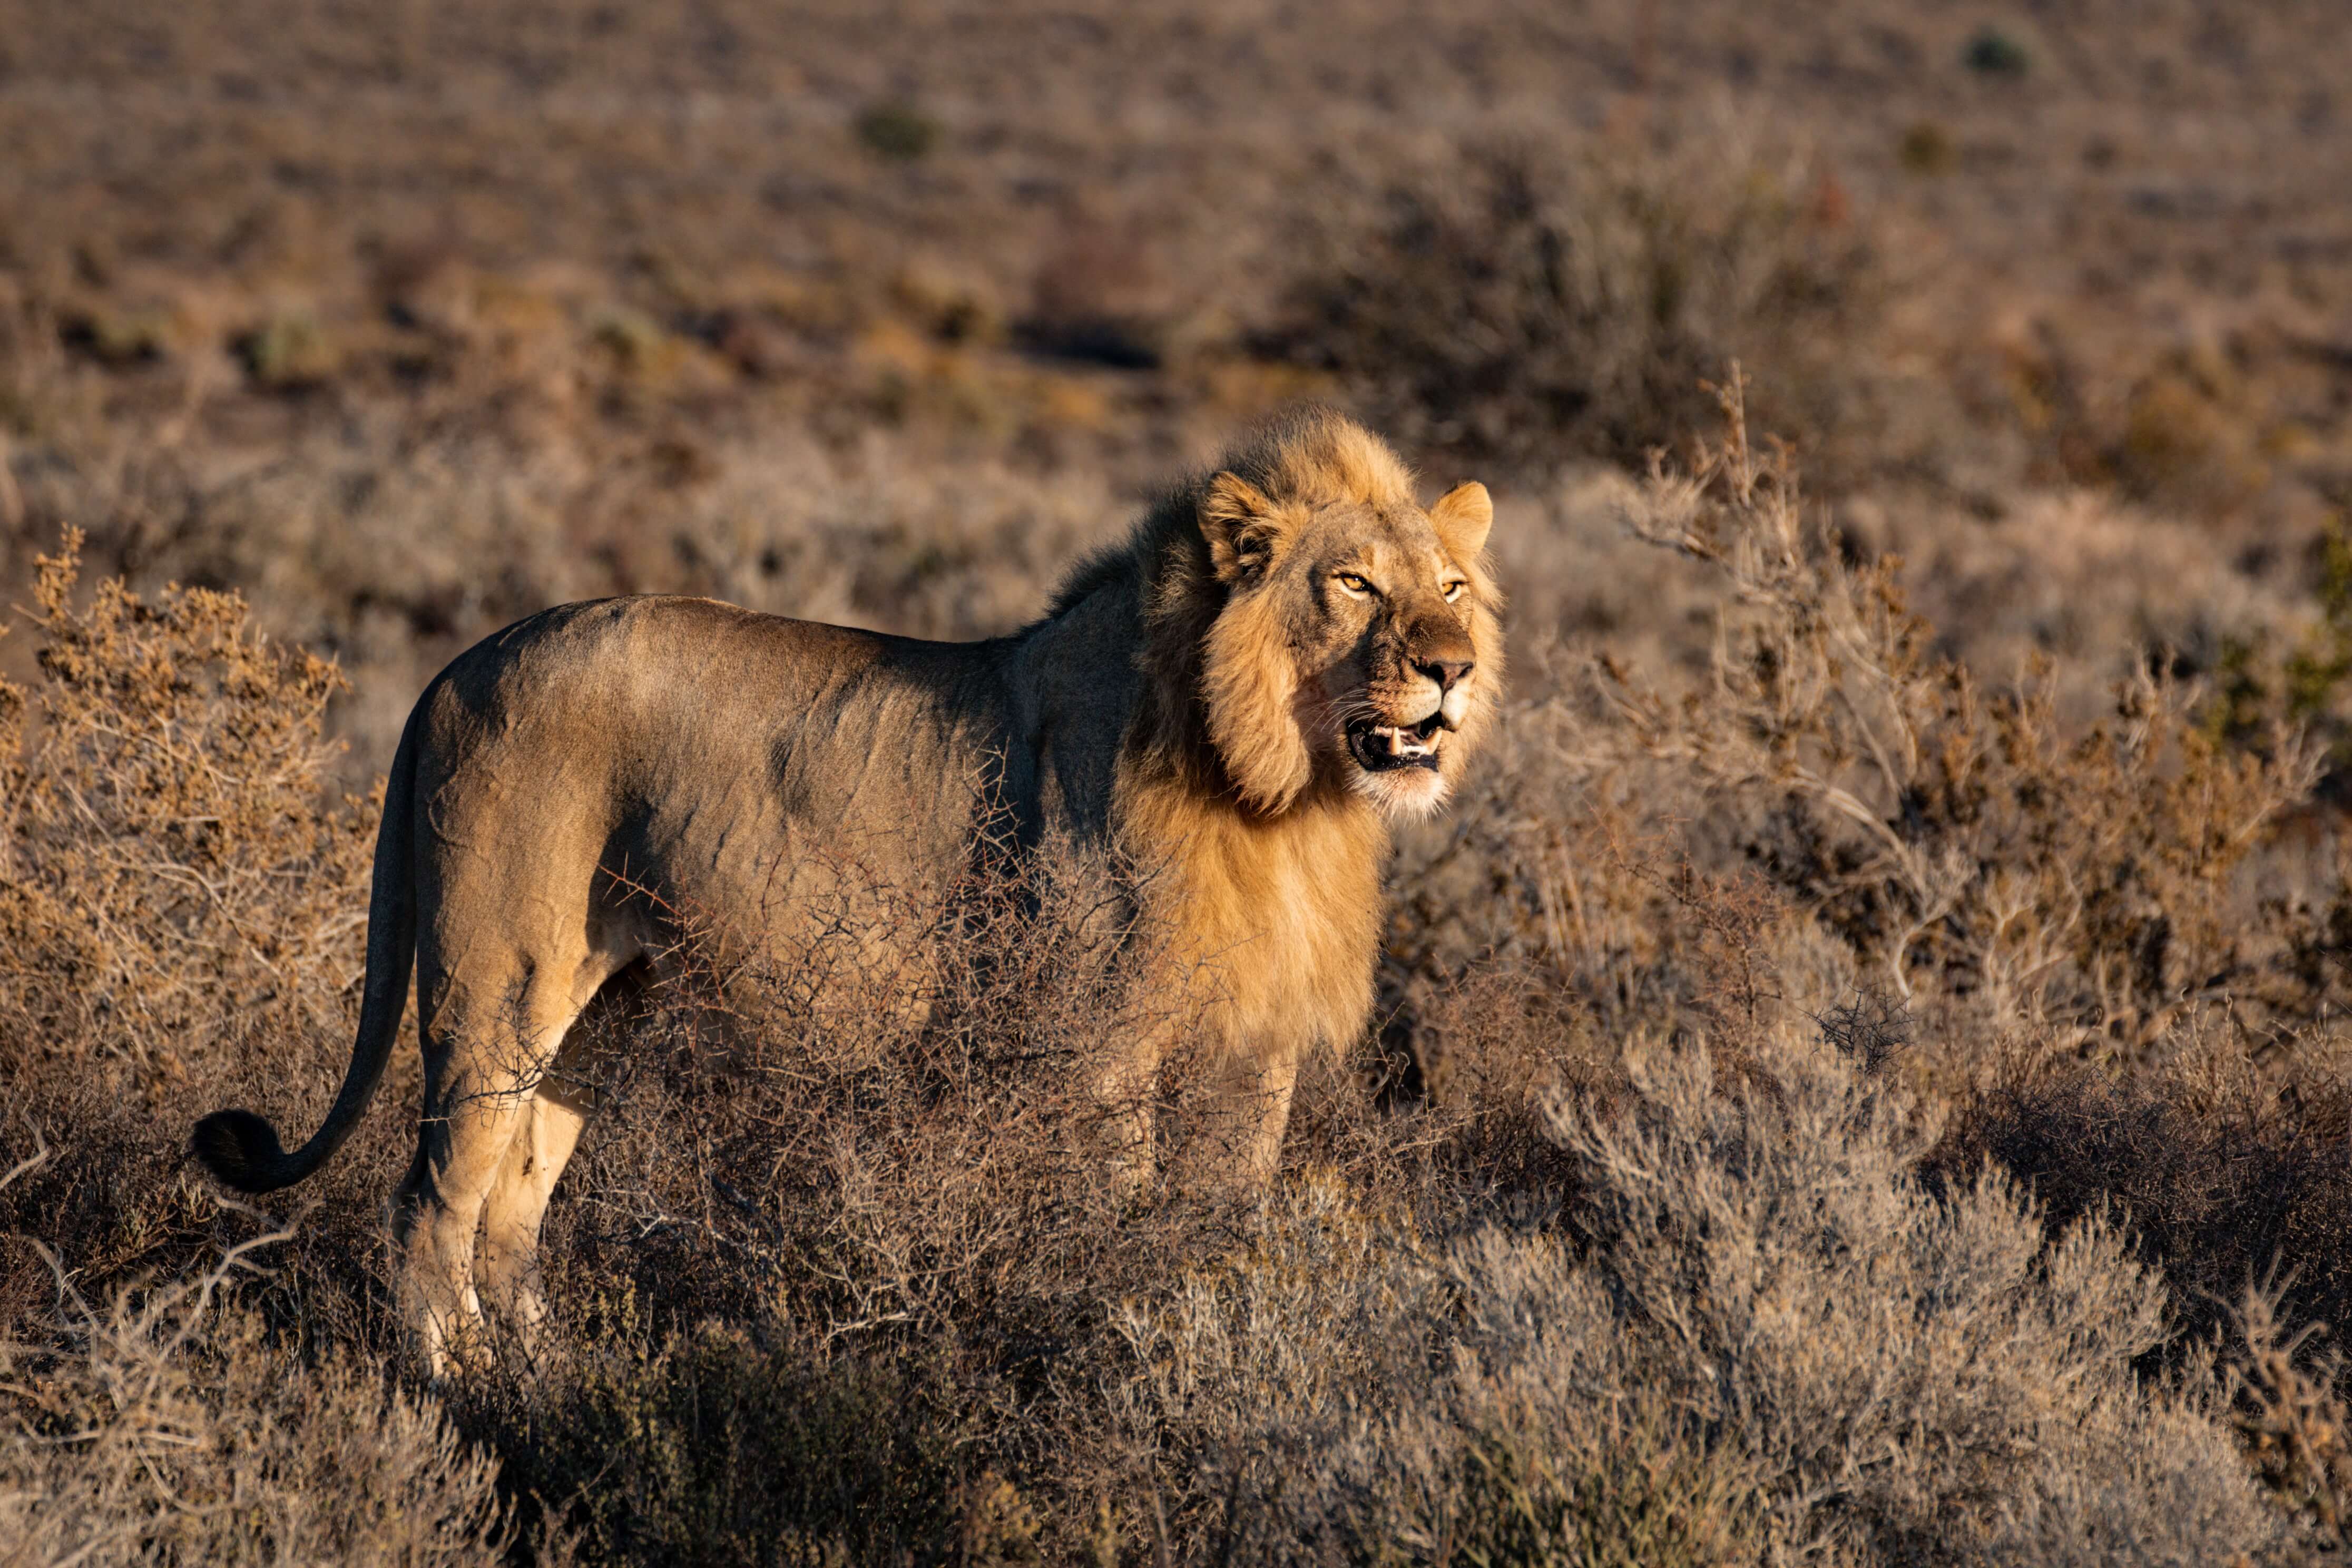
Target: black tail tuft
column 241, row 1151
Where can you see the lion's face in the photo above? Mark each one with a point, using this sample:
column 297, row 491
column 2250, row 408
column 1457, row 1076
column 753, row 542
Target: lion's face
column 1374, row 625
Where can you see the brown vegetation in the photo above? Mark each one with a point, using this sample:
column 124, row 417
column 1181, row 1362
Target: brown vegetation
column 823, row 1241
column 1860, row 1071
column 172, row 871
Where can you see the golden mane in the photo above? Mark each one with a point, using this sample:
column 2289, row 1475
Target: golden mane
column 1212, row 716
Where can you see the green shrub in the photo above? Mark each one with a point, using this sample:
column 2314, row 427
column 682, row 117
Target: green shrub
column 1991, row 52
column 899, row 132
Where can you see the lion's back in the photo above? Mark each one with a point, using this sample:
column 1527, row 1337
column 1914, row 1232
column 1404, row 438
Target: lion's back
column 705, row 743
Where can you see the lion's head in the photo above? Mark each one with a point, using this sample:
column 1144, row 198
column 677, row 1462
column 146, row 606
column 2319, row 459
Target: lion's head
column 1348, row 636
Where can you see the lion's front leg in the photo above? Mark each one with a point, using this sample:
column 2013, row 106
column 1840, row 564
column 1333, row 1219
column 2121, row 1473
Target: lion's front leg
column 1124, row 1092
column 1251, row 1110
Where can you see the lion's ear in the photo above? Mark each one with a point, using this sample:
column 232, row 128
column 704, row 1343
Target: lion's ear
column 1241, row 526
column 1462, row 517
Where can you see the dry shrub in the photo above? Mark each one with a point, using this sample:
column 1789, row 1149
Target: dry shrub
column 182, row 907
column 845, row 1220
column 905, row 1081
column 1963, row 851
column 2290, row 1412
column 2186, row 422
column 169, row 868
column 2224, row 1173
column 2088, row 936
column 837, row 1276
column 1753, row 1332
column 1952, row 837
column 164, row 1427
column 724, row 1442
column 1529, row 303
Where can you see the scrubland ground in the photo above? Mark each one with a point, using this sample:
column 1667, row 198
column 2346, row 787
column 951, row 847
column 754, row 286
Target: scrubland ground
column 1860, row 1075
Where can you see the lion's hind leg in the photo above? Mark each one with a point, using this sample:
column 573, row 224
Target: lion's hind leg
column 475, row 1104
column 493, row 1139
column 516, row 1202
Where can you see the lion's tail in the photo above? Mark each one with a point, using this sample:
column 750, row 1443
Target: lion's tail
column 240, row 1149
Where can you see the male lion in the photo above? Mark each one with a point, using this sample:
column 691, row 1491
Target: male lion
column 1283, row 658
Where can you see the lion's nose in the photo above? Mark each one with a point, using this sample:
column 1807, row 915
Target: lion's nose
column 1446, row 672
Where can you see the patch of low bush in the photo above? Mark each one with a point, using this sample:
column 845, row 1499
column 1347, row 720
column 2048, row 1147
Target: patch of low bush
column 1749, row 1171
column 1534, row 303
column 1962, row 849
column 1749, row 1332
column 168, row 866
column 163, row 1424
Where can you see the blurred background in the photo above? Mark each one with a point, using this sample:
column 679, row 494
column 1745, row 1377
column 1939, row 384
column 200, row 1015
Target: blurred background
column 408, row 318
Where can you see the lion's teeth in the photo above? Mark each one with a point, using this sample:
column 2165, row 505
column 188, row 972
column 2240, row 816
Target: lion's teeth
column 1402, row 741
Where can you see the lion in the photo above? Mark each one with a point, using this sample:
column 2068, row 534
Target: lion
column 1286, row 657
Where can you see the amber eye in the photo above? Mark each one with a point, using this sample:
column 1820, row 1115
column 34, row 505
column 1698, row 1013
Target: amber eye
column 1355, row 582
column 1453, row 591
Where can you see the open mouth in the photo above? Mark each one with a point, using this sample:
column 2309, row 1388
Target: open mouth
column 1383, row 748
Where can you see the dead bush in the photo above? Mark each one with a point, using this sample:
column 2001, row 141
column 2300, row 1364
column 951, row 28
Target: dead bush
column 842, row 1222
column 1532, row 303
column 1963, row 851
column 2290, row 1412
column 846, row 1217
column 739, row 1442
column 905, row 1129
column 182, row 903
column 837, row 1276
column 164, row 1427
column 1947, row 834
column 171, row 870
column 2224, row 1173
column 1754, row 1334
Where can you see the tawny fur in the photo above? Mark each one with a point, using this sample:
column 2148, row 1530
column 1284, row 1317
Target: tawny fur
column 1184, row 707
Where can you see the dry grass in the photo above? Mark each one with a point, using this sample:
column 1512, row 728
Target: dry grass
column 1673, row 1261
column 163, row 1426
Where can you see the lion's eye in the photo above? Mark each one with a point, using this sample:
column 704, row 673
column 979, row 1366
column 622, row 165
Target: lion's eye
column 1453, row 591
column 1355, row 582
